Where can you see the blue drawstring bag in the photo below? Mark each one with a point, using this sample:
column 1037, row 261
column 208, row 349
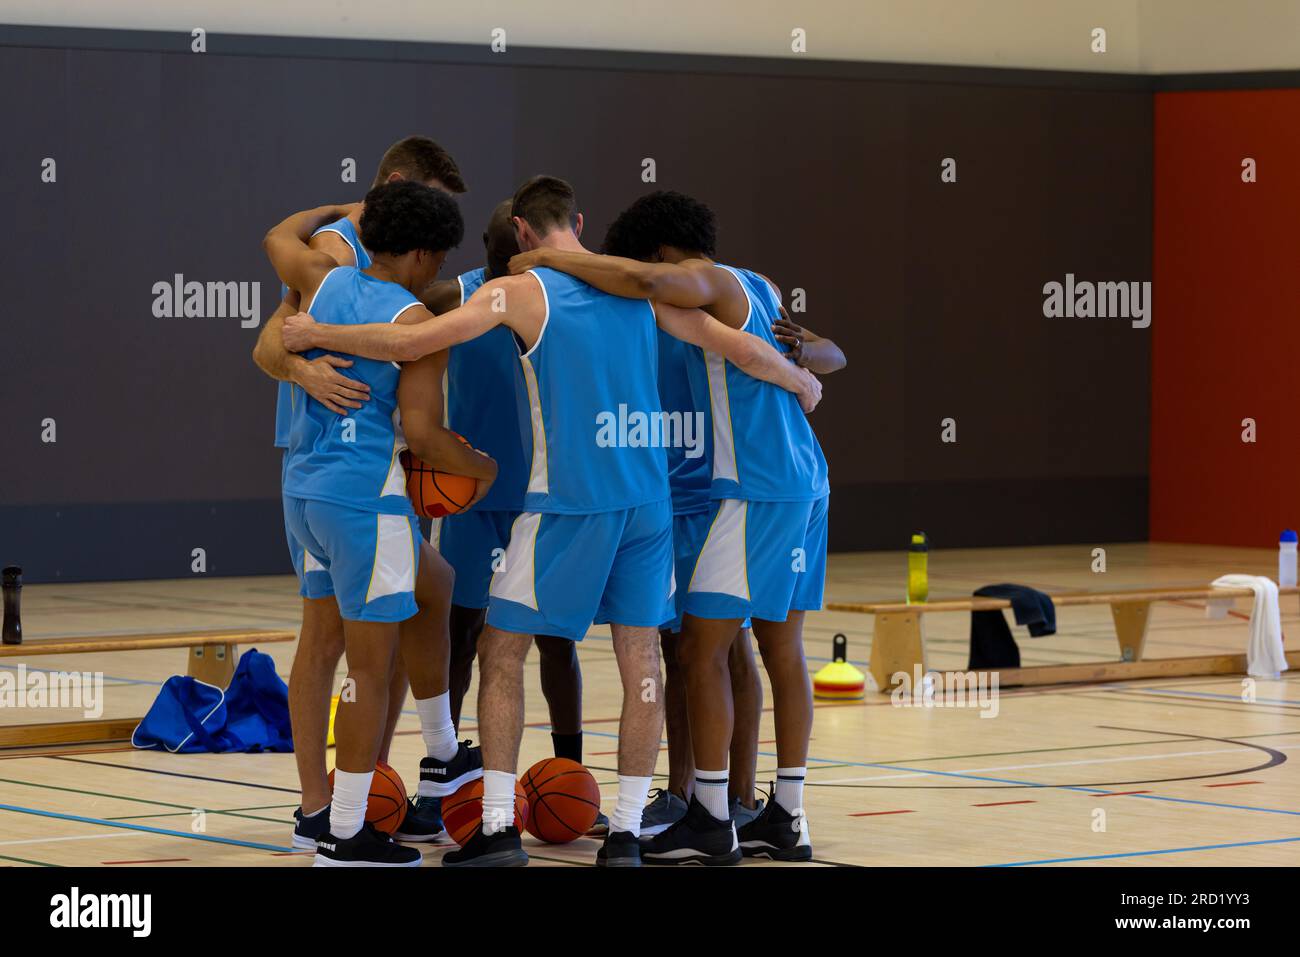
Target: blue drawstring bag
column 257, row 705
column 190, row 716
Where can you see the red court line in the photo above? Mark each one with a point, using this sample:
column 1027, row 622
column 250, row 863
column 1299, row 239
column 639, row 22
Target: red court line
column 1115, row 794
column 596, row 754
column 1232, row 784
column 878, row 813
column 1002, row 803
column 156, row 860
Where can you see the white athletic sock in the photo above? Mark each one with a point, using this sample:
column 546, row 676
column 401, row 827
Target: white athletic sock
column 498, row 801
column 435, row 726
column 789, row 788
column 711, row 791
column 348, row 809
column 632, row 794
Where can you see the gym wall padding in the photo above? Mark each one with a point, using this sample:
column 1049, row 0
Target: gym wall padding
column 825, row 176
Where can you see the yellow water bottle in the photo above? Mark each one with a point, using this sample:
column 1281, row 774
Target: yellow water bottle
column 918, row 579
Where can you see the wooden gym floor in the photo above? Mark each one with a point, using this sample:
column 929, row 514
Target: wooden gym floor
column 1173, row 772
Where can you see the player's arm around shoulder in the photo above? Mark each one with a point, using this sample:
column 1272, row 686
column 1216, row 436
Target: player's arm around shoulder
column 749, row 353
column 688, row 284
column 517, row 302
column 287, row 245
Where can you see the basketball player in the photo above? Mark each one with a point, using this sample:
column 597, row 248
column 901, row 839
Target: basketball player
column 759, row 552
column 637, row 233
column 320, row 645
column 482, row 377
column 353, row 533
column 594, row 542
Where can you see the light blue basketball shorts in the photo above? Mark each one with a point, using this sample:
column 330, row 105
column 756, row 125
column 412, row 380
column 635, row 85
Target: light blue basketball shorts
column 563, row 573
column 366, row 560
column 760, row 560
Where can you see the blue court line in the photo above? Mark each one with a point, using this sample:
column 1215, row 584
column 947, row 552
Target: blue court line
column 1170, row 850
column 1206, row 694
column 143, row 827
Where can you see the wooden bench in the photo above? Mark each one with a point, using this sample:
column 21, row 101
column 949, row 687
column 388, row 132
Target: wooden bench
column 898, row 643
column 212, row 658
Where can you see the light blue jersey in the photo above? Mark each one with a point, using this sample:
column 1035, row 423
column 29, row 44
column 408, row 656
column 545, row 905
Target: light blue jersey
column 589, row 400
column 762, row 448
column 352, row 460
column 287, row 393
column 483, row 382
column 688, row 467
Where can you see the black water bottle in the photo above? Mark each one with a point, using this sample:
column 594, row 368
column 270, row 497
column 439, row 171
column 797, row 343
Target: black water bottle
column 11, row 580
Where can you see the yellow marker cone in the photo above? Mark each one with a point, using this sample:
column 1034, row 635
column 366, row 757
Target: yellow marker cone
column 839, row 679
column 334, row 707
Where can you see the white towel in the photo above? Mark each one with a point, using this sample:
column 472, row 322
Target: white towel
column 1264, row 655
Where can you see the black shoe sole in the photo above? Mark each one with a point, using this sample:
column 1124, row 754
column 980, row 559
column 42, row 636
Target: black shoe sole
column 796, row 853
column 438, row 838
column 620, row 862
column 323, row 861
column 512, row 858
column 728, row 859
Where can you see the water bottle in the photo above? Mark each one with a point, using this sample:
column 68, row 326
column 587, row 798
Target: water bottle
column 11, row 580
column 1286, row 559
column 918, row 581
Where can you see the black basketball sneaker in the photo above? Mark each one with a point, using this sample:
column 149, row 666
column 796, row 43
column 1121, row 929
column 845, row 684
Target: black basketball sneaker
column 502, row 849
column 308, row 828
column 366, row 848
column 444, row 777
column 621, row 849
column 698, row 838
column 776, row 834
column 423, row 822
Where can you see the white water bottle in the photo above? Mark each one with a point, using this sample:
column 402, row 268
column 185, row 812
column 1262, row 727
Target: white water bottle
column 1286, row 559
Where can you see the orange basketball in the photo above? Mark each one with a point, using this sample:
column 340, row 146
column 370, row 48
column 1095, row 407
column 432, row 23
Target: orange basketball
column 386, row 807
column 563, row 800
column 435, row 493
column 462, row 813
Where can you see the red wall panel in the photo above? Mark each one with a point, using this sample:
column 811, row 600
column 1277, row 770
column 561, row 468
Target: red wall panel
column 1226, row 320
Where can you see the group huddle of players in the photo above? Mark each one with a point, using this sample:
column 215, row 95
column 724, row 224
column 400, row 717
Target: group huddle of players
column 682, row 534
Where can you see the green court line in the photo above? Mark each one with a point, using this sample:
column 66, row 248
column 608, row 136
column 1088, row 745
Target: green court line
column 185, row 808
column 23, row 860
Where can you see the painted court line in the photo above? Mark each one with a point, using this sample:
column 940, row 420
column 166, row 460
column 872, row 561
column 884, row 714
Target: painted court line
column 1169, row 850
column 1232, row 784
column 55, row 840
column 144, row 828
column 156, row 860
column 1046, row 764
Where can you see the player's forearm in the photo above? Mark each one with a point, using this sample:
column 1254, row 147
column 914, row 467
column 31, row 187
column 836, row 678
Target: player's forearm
column 394, row 342
column 444, row 451
column 270, row 354
column 822, row 356
column 612, row 274
column 301, row 225
column 761, row 361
